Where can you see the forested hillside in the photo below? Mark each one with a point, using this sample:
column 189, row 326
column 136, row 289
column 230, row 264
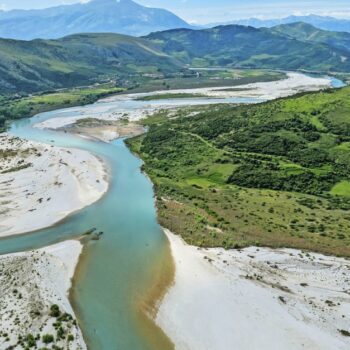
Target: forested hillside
column 82, row 59
column 275, row 174
column 239, row 46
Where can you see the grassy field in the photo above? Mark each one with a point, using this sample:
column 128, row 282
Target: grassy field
column 22, row 107
column 274, row 174
column 204, row 78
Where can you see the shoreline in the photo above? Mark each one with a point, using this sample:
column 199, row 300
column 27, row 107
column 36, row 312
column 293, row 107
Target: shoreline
column 302, row 295
column 145, row 306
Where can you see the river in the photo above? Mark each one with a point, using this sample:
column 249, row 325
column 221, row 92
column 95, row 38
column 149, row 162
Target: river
column 118, row 276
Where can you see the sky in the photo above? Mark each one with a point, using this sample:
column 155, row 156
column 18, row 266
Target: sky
column 209, row 11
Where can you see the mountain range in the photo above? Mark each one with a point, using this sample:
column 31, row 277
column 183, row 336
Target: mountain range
column 248, row 47
column 95, row 16
column 321, row 22
column 80, row 59
column 124, row 17
column 306, row 32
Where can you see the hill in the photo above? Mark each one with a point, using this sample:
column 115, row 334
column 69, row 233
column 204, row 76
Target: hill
column 239, row 46
column 306, row 32
column 321, row 22
column 96, row 16
column 29, row 66
column 85, row 59
column 272, row 174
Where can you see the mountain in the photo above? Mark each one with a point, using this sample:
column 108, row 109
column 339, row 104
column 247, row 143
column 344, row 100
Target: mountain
column 306, row 32
column 95, row 16
column 321, row 22
column 84, row 59
column 30, row 66
column 248, row 47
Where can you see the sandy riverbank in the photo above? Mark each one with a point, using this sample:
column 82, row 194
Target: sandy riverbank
column 257, row 298
column 30, row 284
column 104, row 110
column 37, row 180
column 104, row 130
column 294, row 83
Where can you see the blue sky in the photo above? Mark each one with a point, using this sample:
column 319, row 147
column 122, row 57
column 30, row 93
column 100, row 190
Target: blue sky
column 204, row 11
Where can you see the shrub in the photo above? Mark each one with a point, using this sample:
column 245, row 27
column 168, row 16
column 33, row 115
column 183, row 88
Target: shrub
column 47, row 338
column 55, row 311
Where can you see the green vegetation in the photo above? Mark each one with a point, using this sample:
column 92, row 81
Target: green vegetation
column 341, row 189
column 199, row 78
column 274, row 174
column 20, row 107
column 76, row 60
column 55, row 311
column 247, row 47
column 306, row 32
column 47, row 338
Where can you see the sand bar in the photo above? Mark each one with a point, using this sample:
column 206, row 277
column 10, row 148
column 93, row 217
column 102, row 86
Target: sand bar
column 257, row 298
column 41, row 184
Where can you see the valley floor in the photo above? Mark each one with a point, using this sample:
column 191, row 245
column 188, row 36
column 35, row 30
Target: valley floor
column 256, row 298
column 294, row 83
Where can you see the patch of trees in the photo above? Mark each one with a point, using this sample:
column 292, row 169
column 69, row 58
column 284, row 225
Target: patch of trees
column 2, row 122
column 262, row 176
column 266, row 143
column 310, row 157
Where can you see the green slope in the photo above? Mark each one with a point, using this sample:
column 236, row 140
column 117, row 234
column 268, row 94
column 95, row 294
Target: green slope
column 306, row 32
column 238, row 46
column 29, row 66
column 274, row 174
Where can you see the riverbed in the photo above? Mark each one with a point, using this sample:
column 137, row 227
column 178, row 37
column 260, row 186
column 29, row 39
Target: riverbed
column 119, row 276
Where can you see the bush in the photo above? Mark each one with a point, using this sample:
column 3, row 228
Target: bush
column 55, row 311
column 30, row 340
column 47, row 338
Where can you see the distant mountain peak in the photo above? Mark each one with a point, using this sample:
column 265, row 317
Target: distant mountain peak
column 320, row 22
column 98, row 16
column 113, row 2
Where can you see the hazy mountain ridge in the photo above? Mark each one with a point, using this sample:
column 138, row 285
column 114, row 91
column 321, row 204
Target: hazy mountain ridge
column 248, row 47
column 307, row 32
column 96, row 16
column 321, row 22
